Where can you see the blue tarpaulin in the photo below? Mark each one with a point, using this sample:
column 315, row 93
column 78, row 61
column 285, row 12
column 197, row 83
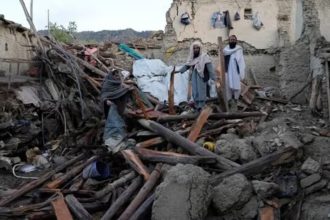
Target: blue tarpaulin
column 133, row 53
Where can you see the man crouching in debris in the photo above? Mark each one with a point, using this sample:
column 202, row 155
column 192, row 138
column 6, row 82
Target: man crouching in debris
column 114, row 96
column 235, row 71
column 200, row 65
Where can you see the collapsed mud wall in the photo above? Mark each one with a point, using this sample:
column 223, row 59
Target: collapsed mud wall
column 282, row 54
column 15, row 48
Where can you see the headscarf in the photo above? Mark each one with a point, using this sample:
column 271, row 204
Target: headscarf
column 199, row 62
column 112, row 88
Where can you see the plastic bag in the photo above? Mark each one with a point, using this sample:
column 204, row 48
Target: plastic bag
column 257, row 24
column 237, row 16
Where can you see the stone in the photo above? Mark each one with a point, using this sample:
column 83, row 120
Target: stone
column 184, row 194
column 265, row 189
column 310, row 166
column 315, row 206
column 316, row 187
column 232, row 147
column 307, row 139
column 310, row 180
column 234, row 190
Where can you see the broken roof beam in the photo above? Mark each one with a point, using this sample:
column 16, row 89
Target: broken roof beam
column 184, row 143
column 223, row 115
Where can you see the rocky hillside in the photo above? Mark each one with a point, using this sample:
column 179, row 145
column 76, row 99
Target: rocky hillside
column 115, row 35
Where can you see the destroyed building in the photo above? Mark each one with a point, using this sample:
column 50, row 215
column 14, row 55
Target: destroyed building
column 267, row 160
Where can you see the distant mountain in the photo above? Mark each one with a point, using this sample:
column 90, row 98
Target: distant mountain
column 120, row 36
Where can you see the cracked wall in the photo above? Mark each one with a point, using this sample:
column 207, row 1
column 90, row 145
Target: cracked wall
column 279, row 54
column 14, row 44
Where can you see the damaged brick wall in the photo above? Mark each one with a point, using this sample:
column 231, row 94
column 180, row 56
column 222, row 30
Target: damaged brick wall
column 284, row 62
column 15, row 44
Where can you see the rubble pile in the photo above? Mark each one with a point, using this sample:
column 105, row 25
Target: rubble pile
column 185, row 164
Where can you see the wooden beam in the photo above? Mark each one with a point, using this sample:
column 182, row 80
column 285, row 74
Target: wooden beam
column 221, row 89
column 258, row 165
column 77, row 208
column 171, row 93
column 114, row 185
column 35, row 183
column 61, row 209
column 122, row 199
column 135, row 162
column 143, row 208
column 173, row 158
column 223, row 115
column 199, row 123
column 189, row 146
column 142, row 194
column 72, row 173
column 327, row 77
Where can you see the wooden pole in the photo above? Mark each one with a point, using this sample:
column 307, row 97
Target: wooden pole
column 61, row 209
column 114, row 185
column 171, row 94
column 142, row 194
column 72, row 173
column 327, row 77
column 189, row 146
column 222, row 115
column 123, row 198
column 143, row 208
column 172, row 158
column 34, row 184
column 135, row 162
column 199, row 123
column 222, row 76
column 77, row 208
column 28, row 18
column 258, row 165
column 31, row 10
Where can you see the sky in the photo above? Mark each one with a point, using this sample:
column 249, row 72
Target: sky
column 92, row 15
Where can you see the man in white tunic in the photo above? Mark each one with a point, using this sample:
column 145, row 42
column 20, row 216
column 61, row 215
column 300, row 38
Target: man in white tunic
column 235, row 71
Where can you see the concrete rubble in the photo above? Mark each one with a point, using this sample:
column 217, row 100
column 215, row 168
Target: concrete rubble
column 268, row 160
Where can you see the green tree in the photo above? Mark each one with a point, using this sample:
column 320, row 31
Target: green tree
column 62, row 34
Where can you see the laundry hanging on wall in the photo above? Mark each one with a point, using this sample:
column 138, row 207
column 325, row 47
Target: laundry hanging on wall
column 237, row 16
column 185, row 18
column 227, row 20
column 221, row 20
column 217, row 20
column 256, row 20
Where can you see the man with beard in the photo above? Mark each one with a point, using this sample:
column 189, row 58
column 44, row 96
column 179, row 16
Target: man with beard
column 201, row 71
column 235, row 71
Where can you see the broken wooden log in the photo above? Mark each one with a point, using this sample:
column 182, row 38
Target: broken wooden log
column 150, row 142
column 217, row 131
column 123, row 199
column 142, row 194
column 173, row 158
column 327, row 83
column 76, row 207
column 34, row 184
column 61, row 209
column 146, row 205
column 114, row 185
column 134, row 161
column 189, row 146
column 199, row 123
column 223, row 115
column 171, row 94
column 221, row 78
column 258, row 165
column 72, row 173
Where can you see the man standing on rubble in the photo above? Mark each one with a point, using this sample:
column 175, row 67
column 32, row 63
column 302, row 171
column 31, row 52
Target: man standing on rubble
column 235, row 71
column 114, row 96
column 201, row 71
